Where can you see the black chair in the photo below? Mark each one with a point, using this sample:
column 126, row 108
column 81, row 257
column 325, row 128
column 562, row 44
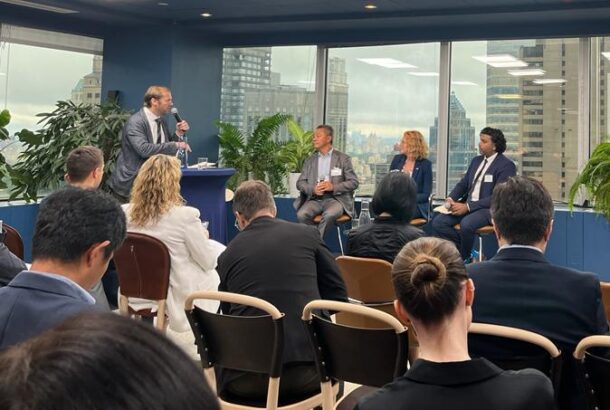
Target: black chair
column 370, row 357
column 594, row 372
column 515, row 349
column 13, row 241
column 246, row 343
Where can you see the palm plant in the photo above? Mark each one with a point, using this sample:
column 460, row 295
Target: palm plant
column 255, row 156
column 595, row 177
column 298, row 149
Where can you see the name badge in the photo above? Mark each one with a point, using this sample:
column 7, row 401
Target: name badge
column 488, row 178
column 336, row 172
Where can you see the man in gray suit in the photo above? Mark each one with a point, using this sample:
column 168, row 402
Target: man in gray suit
column 144, row 135
column 327, row 183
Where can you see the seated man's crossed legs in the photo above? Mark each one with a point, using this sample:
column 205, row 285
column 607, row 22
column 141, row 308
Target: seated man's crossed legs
column 329, row 208
column 469, row 223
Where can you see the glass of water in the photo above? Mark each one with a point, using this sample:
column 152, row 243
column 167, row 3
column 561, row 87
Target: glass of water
column 202, row 162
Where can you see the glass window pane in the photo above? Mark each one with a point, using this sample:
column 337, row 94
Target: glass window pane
column 600, row 72
column 374, row 94
column 529, row 90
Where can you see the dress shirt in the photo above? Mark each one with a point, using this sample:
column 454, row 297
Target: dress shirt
column 151, row 118
column 508, row 246
column 324, row 164
column 476, row 191
column 90, row 299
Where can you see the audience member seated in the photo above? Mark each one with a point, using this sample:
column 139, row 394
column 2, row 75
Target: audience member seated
column 76, row 232
column 85, row 169
column 469, row 201
column 10, row 264
column 157, row 209
column 286, row 264
column 393, row 204
column 435, row 294
column 327, row 183
column 101, row 361
column 518, row 287
column 413, row 161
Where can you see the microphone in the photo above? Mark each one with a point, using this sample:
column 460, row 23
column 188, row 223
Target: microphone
column 176, row 115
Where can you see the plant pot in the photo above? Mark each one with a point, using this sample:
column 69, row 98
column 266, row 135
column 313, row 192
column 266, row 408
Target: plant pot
column 293, row 177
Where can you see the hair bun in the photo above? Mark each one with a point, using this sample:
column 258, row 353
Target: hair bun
column 428, row 270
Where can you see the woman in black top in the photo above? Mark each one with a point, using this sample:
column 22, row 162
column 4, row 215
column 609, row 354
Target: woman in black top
column 435, row 294
column 394, row 205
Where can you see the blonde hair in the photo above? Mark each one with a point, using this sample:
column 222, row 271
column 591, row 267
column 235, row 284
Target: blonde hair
column 415, row 141
column 154, row 91
column 156, row 190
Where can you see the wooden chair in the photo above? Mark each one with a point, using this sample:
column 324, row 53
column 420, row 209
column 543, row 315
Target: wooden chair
column 370, row 357
column 247, row 343
column 338, row 222
column 594, row 372
column 605, row 287
column 143, row 265
column 484, row 230
column 526, row 349
column 13, row 240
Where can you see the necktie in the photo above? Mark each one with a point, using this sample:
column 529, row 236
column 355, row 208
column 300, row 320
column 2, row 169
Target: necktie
column 159, row 135
column 477, row 176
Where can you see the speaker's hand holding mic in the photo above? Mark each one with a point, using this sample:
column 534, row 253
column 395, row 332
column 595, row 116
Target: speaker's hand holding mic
column 181, row 125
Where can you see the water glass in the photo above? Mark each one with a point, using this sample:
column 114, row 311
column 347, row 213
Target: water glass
column 202, row 162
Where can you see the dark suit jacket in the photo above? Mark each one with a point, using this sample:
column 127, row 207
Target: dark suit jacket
column 518, row 287
column 344, row 184
column 138, row 144
column 33, row 303
column 500, row 170
column 422, row 175
column 470, row 385
column 10, row 265
column 286, row 264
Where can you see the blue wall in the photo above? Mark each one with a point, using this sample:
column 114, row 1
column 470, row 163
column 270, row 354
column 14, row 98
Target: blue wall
column 22, row 218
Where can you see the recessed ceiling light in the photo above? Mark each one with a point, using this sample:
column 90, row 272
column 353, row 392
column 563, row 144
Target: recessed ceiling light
column 463, row 83
column 206, row 14
column 501, row 60
column 424, row 73
column 508, row 96
column 527, row 72
column 606, row 54
column 386, row 62
column 543, row 81
column 37, row 6
column 370, row 6
column 2, row 73
column 162, row 3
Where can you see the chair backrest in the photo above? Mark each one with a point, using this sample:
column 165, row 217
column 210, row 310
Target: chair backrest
column 367, row 280
column 13, row 240
column 605, row 286
column 143, row 265
column 515, row 349
column 371, row 357
column 594, row 371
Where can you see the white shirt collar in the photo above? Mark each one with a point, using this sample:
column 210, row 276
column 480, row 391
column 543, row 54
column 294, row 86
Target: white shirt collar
column 508, row 246
column 150, row 115
column 328, row 154
column 491, row 158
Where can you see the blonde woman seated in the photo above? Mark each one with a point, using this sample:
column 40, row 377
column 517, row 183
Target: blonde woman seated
column 157, row 209
column 434, row 292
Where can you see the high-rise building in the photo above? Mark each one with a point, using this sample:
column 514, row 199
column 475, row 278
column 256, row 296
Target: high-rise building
column 88, row 89
column 337, row 97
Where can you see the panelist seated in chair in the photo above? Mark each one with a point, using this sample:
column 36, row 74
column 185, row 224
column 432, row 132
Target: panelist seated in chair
column 469, row 200
column 157, row 209
column 287, row 265
column 413, row 161
column 327, row 183
column 393, row 204
column 435, row 294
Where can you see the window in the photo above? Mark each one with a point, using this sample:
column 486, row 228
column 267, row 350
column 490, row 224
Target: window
column 38, row 68
column 600, row 70
column 529, row 90
column 373, row 95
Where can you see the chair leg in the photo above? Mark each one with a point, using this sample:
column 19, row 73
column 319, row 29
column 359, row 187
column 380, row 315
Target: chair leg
column 480, row 248
column 339, row 238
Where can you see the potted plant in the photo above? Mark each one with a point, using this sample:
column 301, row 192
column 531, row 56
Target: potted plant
column 295, row 152
column 595, row 177
column 255, row 156
column 42, row 164
column 5, row 119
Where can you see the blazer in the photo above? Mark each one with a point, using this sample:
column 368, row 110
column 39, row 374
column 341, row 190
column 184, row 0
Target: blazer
column 422, row 175
column 469, row 385
column 193, row 257
column 286, row 264
column 344, row 184
column 499, row 171
column 10, row 265
column 137, row 146
column 32, row 303
column 518, row 287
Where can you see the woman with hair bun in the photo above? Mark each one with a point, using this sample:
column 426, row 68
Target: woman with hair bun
column 435, row 294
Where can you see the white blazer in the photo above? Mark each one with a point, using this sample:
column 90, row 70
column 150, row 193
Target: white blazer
column 193, row 259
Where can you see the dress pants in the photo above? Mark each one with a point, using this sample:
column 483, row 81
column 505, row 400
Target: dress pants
column 469, row 223
column 330, row 208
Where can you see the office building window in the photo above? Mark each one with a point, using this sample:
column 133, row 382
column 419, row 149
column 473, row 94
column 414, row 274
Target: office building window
column 373, row 95
column 600, row 72
column 529, row 90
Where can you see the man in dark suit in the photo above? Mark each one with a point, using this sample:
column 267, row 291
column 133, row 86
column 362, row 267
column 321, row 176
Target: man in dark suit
column 75, row 235
column 145, row 134
column 286, row 264
column 518, row 287
column 469, row 201
column 327, row 183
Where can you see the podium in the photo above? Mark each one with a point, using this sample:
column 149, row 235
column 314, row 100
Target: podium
column 204, row 189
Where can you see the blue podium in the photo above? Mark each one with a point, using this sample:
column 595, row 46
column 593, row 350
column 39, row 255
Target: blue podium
column 204, row 189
